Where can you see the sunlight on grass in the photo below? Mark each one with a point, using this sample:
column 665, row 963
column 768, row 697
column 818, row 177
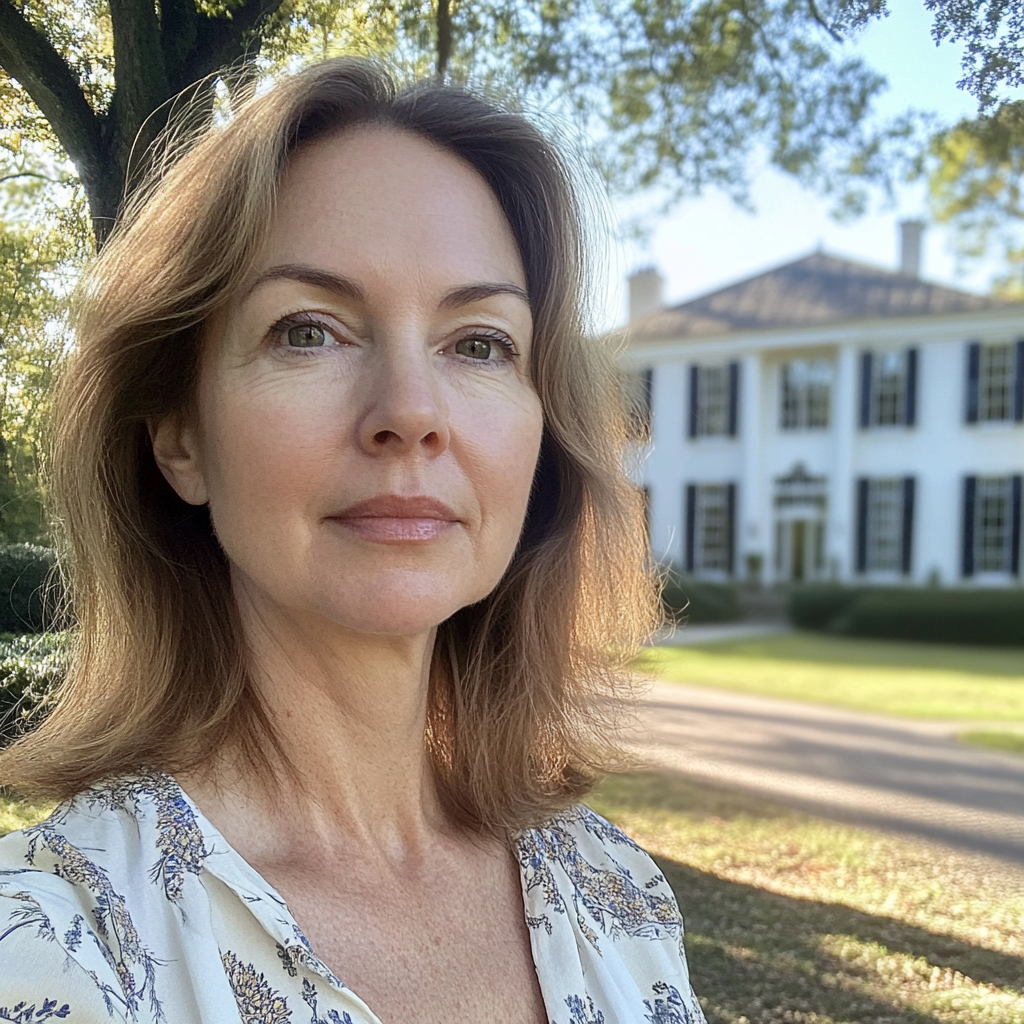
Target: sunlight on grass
column 907, row 679
column 792, row 918
column 15, row 814
column 1005, row 742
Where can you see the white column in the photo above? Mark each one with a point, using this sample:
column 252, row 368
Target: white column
column 752, row 536
column 841, row 525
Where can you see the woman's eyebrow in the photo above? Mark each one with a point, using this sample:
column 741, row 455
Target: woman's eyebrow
column 310, row 275
column 482, row 290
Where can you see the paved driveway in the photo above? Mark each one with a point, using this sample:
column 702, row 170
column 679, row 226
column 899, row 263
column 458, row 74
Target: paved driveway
column 900, row 775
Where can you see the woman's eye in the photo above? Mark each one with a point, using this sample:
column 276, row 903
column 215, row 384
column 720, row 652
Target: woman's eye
column 474, row 348
column 306, row 336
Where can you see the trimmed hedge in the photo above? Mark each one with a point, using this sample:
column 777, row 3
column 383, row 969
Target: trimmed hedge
column 28, row 598
column 989, row 617
column 30, row 668
column 696, row 601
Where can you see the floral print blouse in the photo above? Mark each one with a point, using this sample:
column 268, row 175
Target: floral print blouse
column 128, row 905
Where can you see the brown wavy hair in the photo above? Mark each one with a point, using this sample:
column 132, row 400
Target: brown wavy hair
column 523, row 684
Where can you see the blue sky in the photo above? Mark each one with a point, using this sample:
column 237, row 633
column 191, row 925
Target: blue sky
column 708, row 241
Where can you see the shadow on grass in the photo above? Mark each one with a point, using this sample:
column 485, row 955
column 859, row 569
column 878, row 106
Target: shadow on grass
column 757, row 954
column 764, row 958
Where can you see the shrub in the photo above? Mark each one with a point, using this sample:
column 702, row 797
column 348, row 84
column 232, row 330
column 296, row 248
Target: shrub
column 30, row 668
column 28, row 599
column 991, row 617
column 816, row 607
column 945, row 616
column 696, row 601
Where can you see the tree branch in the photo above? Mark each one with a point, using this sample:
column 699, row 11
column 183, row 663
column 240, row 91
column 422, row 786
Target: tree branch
column 221, row 41
column 816, row 15
column 28, row 56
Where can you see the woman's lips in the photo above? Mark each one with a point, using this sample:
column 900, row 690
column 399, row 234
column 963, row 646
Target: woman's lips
column 393, row 519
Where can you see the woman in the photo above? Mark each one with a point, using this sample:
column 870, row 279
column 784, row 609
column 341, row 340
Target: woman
column 350, row 548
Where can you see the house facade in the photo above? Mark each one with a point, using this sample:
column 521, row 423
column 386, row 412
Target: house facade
column 828, row 420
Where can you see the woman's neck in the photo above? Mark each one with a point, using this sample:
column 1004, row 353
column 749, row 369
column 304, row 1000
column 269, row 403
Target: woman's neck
column 349, row 711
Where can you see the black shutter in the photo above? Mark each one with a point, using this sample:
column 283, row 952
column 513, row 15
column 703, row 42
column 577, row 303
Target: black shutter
column 691, row 527
column 692, row 421
column 865, row 389
column 907, row 545
column 862, row 525
column 1015, row 488
column 910, row 398
column 730, row 526
column 734, row 398
column 967, row 558
column 1018, row 381
column 973, row 373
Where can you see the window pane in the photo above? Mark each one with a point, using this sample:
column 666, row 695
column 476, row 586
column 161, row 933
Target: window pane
column 712, row 528
column 712, row 400
column 806, row 394
column 889, row 389
column 995, row 382
column 885, row 524
column 992, row 524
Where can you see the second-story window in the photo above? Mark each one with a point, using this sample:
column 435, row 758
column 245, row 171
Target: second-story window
column 995, row 382
column 888, row 382
column 714, row 400
column 889, row 388
column 806, row 394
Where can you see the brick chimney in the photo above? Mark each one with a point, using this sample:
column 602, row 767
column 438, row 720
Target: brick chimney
column 645, row 287
column 910, row 247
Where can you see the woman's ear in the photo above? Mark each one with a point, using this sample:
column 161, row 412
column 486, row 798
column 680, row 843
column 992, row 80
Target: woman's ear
column 176, row 452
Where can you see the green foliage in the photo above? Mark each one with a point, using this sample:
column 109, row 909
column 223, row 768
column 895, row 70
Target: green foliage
column 680, row 94
column 816, row 607
column 30, row 597
column 688, row 600
column 31, row 667
column 975, row 184
column 991, row 616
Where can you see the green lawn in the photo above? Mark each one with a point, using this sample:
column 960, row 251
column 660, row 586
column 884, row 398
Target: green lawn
column 795, row 920
column 913, row 680
column 1006, row 742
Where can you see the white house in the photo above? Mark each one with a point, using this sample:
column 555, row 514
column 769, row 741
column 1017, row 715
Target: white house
column 831, row 420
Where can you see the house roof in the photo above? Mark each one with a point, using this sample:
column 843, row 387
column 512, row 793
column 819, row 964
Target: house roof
column 818, row 289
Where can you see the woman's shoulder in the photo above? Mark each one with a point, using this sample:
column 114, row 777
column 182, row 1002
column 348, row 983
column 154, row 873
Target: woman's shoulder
column 580, row 855
column 73, row 886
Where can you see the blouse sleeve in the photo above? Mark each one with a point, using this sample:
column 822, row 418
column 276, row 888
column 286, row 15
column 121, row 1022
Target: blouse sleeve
column 40, row 980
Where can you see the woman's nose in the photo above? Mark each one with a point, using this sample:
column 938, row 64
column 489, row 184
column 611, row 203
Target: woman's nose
column 406, row 409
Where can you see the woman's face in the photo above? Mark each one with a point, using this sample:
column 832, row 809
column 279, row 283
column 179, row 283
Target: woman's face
column 366, row 429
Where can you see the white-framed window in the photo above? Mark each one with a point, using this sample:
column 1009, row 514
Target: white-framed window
column 806, row 394
column 993, row 523
column 710, row 529
column 713, row 540
column 888, row 389
column 996, row 376
column 712, row 400
column 885, row 524
column 884, row 527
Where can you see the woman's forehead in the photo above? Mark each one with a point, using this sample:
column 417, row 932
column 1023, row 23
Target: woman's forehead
column 380, row 201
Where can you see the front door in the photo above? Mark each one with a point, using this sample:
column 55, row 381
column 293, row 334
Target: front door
column 799, row 550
